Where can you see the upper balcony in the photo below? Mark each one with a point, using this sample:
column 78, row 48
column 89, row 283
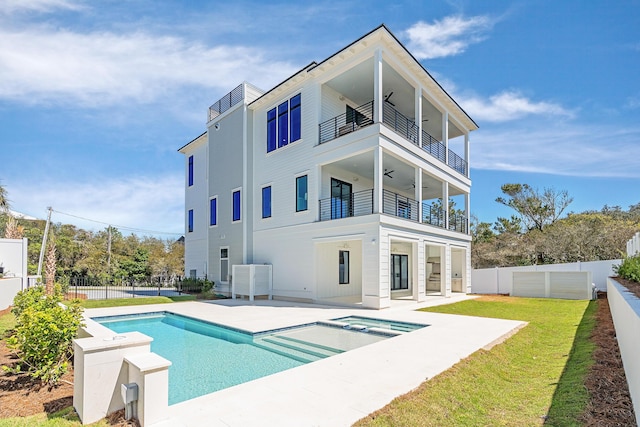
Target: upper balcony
column 410, row 110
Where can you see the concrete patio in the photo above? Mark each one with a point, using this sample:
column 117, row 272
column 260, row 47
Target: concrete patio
column 339, row 390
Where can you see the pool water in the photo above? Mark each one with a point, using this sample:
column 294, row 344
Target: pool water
column 207, row 357
column 204, row 357
column 379, row 323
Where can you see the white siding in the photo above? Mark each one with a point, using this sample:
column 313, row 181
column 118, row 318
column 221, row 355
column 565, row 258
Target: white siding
column 196, row 198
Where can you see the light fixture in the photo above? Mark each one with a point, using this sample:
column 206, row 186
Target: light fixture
column 373, row 241
column 217, row 126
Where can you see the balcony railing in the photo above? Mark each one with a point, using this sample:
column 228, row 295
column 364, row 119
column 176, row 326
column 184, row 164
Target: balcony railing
column 402, row 125
column 457, row 163
column 432, row 215
column 458, row 222
column 400, row 206
column 226, row 102
column 352, row 120
column 354, row 204
column 433, row 147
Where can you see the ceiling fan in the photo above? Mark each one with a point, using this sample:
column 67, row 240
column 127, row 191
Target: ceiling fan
column 386, row 99
column 388, row 173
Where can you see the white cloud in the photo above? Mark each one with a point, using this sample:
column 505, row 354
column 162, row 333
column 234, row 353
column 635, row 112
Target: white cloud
column 12, row 6
column 558, row 149
column 40, row 64
column 509, row 105
column 148, row 203
column 449, row 36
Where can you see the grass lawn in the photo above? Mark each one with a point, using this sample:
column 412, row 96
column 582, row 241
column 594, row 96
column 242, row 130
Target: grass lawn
column 535, row 377
column 7, row 321
column 119, row 302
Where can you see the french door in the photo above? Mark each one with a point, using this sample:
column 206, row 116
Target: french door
column 399, row 272
column 341, row 206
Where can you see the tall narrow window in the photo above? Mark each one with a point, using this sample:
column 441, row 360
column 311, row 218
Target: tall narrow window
column 271, row 130
column 296, row 118
column 343, row 267
column 190, row 222
column 213, row 211
column 190, row 171
column 283, row 124
column 301, row 193
column 224, row 264
column 266, row 202
column 236, row 205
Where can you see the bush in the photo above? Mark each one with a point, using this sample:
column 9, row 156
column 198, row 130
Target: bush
column 629, row 269
column 43, row 334
column 196, row 286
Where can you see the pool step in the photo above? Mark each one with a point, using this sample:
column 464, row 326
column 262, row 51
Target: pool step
column 301, row 350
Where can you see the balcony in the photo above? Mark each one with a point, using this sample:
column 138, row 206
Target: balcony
column 352, row 120
column 361, row 203
column 226, row 102
column 362, row 116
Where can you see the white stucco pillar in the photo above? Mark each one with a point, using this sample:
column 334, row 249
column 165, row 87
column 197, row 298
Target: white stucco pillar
column 445, row 135
column 445, row 204
column 377, row 86
column 447, row 271
column 377, row 179
column 418, row 191
column 418, row 116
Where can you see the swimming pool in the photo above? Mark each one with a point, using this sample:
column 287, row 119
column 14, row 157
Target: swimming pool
column 358, row 322
column 207, row 357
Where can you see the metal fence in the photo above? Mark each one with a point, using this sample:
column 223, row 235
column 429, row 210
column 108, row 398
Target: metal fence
column 96, row 289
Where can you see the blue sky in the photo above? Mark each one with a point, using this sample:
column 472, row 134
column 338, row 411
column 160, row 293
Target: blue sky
column 97, row 96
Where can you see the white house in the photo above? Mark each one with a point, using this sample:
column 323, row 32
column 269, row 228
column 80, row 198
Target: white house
column 351, row 178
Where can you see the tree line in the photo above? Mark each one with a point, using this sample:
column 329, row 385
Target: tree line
column 105, row 255
column 537, row 233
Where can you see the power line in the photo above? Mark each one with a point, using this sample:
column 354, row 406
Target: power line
column 119, row 227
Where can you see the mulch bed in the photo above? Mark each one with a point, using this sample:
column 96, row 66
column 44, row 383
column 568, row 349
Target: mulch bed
column 634, row 287
column 609, row 405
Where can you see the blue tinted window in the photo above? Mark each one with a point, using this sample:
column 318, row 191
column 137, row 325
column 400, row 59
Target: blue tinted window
column 266, row 202
column 271, row 130
column 213, row 212
column 283, row 124
column 296, row 118
column 301, row 193
column 236, row 205
column 190, row 170
column 190, row 220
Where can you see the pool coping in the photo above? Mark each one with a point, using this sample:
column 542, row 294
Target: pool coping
column 337, row 390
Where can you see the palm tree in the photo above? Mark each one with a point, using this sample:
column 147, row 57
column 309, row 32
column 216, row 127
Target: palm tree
column 4, row 202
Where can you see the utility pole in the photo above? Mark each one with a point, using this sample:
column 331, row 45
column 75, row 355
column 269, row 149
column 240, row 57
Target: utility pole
column 44, row 241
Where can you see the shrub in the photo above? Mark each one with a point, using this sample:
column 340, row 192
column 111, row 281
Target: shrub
column 196, row 285
column 43, row 334
column 629, row 269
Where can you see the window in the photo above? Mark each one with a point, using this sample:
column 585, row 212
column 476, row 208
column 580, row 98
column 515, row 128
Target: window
column 193, row 274
column 296, row 118
column 266, row 202
column 341, row 199
column 224, row 264
column 271, row 130
column 284, row 123
column 190, row 229
column 301, row 193
column 343, row 267
column 190, row 171
column 236, row 205
column 213, row 211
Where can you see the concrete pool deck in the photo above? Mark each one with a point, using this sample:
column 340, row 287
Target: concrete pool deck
column 339, row 390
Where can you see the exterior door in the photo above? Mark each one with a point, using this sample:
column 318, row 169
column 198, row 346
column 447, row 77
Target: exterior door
column 340, row 199
column 399, row 272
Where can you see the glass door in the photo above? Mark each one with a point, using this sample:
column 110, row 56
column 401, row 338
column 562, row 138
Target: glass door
column 399, row 272
column 340, row 199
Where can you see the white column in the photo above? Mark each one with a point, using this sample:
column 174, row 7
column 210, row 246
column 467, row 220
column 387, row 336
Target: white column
column 467, row 210
column 447, row 271
column 319, row 190
column 377, row 86
column 466, row 152
column 445, row 204
column 418, row 191
column 445, row 135
column 377, row 179
column 418, row 117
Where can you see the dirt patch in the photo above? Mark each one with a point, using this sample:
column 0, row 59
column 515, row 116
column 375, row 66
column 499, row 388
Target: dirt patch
column 609, row 399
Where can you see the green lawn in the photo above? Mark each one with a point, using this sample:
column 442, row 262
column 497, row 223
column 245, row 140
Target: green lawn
column 7, row 321
column 119, row 302
column 535, row 377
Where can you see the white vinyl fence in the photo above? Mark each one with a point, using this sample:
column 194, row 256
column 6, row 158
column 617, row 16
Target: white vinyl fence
column 499, row 280
column 633, row 245
column 553, row 284
column 252, row 280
